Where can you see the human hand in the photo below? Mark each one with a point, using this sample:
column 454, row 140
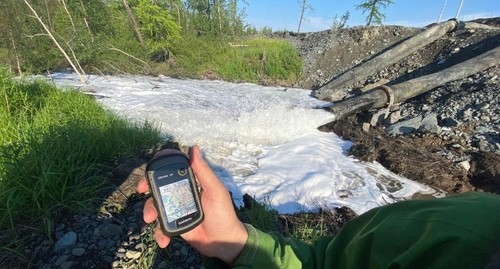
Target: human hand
column 221, row 234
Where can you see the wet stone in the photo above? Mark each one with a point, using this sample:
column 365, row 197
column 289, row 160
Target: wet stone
column 68, row 265
column 78, row 252
column 66, row 242
column 61, row 260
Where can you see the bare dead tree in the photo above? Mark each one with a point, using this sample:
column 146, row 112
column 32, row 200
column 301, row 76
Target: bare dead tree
column 80, row 75
column 459, row 9
column 442, row 11
column 302, row 11
column 69, row 14
column 134, row 22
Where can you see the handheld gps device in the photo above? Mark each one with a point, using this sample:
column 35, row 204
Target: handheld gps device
column 174, row 191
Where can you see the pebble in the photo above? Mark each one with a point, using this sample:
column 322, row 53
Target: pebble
column 485, row 118
column 67, row 241
column 60, row 227
column 61, row 260
column 429, row 125
column 78, row 252
column 366, row 127
column 133, row 254
column 68, row 265
column 405, row 127
column 465, row 165
column 140, row 247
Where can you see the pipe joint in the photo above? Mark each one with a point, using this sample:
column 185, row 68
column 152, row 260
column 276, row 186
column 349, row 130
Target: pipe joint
column 390, row 94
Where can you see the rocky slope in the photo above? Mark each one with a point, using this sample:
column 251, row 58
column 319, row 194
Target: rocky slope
column 453, row 129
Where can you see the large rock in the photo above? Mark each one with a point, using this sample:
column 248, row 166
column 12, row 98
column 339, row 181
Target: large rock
column 405, row 127
column 430, row 125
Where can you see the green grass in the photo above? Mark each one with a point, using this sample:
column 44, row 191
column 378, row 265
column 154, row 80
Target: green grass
column 55, row 151
column 261, row 216
column 258, row 60
column 307, row 227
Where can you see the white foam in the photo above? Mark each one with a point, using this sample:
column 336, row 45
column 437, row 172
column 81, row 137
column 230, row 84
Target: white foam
column 260, row 140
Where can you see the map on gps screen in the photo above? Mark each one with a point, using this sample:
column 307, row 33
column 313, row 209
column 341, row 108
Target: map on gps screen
column 177, row 199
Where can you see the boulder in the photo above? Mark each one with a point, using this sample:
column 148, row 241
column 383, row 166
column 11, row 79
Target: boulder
column 405, row 127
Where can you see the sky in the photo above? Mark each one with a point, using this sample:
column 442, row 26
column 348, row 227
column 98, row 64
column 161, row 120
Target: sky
column 284, row 14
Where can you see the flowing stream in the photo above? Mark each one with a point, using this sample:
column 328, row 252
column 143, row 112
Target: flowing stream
column 260, row 140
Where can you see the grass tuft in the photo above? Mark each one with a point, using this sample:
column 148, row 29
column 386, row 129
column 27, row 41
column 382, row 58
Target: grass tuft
column 56, row 149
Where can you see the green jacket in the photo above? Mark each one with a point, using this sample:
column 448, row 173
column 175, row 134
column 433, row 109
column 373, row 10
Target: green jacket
column 461, row 231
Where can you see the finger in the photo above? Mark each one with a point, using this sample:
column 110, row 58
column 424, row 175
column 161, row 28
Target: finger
column 143, row 186
column 204, row 174
column 149, row 212
column 161, row 238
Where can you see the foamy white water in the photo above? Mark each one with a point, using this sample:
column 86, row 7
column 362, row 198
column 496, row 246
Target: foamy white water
column 260, row 140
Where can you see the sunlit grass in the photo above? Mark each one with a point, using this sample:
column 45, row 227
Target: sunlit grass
column 56, row 148
column 258, row 60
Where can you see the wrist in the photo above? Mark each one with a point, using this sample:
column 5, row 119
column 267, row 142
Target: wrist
column 230, row 250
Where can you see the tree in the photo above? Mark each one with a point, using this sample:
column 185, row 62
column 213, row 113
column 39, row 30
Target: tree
column 71, row 61
column 159, row 28
column 303, row 9
column 339, row 23
column 134, row 23
column 373, row 8
column 213, row 17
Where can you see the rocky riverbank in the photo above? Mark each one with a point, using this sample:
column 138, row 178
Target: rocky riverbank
column 451, row 131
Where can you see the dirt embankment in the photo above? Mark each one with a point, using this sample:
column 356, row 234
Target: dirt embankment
column 448, row 137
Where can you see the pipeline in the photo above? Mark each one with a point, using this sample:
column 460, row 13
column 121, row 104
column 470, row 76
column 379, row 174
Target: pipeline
column 384, row 60
column 384, row 95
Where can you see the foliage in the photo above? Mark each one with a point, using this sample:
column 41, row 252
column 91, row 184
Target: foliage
column 266, row 30
column 373, row 8
column 213, row 18
column 193, row 35
column 159, row 27
column 340, row 23
column 55, row 151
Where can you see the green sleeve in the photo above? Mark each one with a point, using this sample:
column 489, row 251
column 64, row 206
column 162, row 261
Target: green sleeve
column 461, row 231
column 272, row 250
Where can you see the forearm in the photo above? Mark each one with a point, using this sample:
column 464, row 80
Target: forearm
column 272, row 250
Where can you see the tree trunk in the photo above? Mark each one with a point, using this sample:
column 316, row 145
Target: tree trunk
column 18, row 60
column 69, row 14
column 302, row 10
column 133, row 20
column 82, row 78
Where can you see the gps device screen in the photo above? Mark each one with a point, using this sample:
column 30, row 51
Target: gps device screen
column 177, row 200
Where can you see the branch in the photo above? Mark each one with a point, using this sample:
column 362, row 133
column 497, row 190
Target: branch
column 82, row 78
column 131, row 56
column 35, row 35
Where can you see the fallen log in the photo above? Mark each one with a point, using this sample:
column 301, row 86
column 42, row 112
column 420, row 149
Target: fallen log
column 384, row 95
